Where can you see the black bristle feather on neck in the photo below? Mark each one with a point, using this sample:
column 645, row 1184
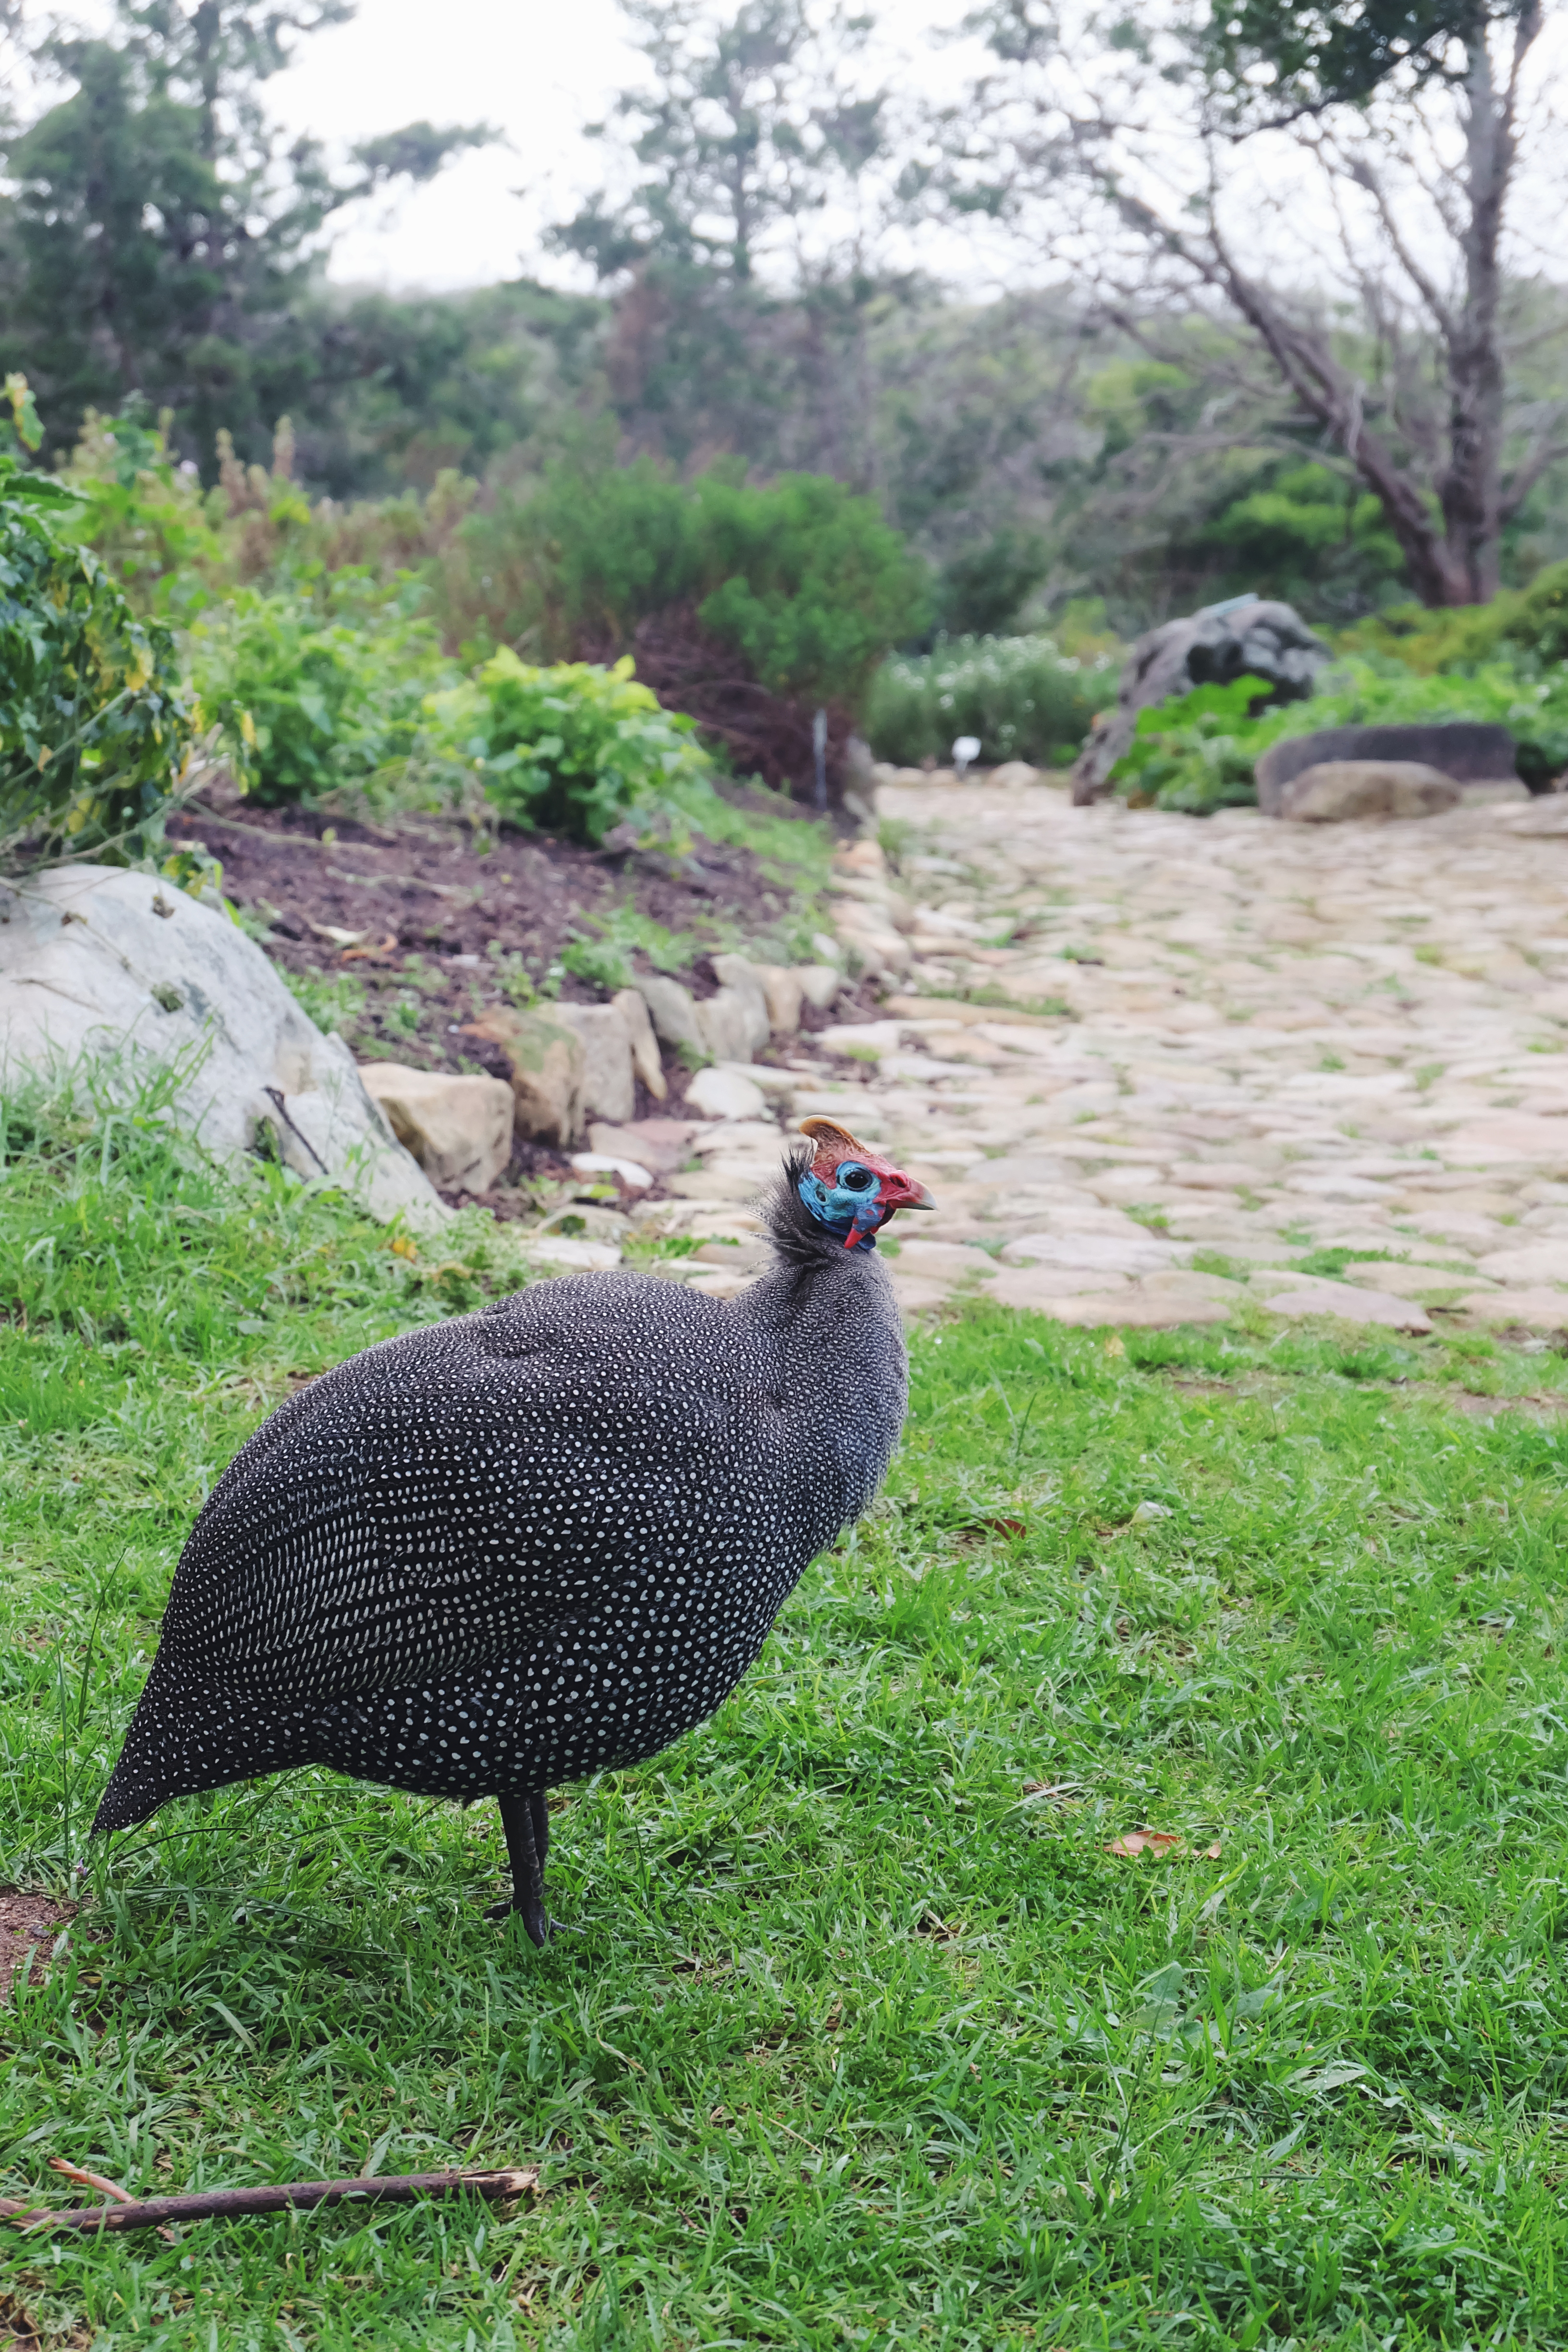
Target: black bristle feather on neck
column 800, row 1240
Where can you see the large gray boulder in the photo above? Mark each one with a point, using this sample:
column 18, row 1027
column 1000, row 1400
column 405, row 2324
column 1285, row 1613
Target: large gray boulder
column 114, row 967
column 1252, row 636
column 1465, row 750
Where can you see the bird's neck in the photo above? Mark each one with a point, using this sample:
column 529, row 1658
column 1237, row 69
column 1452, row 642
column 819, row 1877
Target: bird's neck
column 838, row 1347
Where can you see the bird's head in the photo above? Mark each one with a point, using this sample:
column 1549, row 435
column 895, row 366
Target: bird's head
column 849, row 1189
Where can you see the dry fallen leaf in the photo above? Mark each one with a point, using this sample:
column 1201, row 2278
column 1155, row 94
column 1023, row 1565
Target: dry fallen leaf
column 1212, row 1852
column 1137, row 1840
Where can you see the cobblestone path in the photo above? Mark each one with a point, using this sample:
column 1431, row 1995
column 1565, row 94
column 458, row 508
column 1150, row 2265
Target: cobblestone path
column 1207, row 1050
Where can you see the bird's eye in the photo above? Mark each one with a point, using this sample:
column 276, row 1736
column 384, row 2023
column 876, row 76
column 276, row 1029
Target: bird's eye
column 856, row 1180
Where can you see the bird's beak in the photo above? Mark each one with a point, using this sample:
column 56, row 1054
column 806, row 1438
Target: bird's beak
column 903, row 1194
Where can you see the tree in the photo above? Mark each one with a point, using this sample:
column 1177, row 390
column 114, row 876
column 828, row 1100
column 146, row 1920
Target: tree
column 1393, row 309
column 733, row 230
column 160, row 235
column 405, row 387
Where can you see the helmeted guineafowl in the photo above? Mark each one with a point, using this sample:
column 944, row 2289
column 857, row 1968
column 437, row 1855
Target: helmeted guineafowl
column 539, row 1541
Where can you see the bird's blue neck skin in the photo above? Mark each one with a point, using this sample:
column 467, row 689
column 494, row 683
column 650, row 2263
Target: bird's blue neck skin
column 850, row 1207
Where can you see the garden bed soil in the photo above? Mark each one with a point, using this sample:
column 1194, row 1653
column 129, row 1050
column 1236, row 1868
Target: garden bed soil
column 407, row 928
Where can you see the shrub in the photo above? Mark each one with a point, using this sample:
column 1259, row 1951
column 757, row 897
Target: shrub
column 1537, row 620
column 801, row 577
column 1529, row 625
column 1196, row 753
column 1022, row 696
column 144, row 519
column 575, row 749
column 813, row 585
column 94, row 725
column 312, row 698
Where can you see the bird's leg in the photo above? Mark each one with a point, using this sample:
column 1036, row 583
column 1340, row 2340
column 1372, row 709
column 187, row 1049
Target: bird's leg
column 527, row 1825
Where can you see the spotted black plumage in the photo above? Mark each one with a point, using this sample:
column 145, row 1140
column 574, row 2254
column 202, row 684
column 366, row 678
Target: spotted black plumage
column 532, row 1543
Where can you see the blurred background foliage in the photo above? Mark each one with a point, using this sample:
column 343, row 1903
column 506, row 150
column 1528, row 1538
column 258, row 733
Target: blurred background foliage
column 761, row 481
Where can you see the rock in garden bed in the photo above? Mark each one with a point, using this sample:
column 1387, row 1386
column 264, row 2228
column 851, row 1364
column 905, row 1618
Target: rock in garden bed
column 1340, row 792
column 104, row 966
column 1464, row 750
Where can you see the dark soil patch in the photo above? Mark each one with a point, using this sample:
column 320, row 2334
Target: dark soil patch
column 432, row 926
column 761, row 733
column 20, row 2331
column 28, row 1926
column 1483, row 1408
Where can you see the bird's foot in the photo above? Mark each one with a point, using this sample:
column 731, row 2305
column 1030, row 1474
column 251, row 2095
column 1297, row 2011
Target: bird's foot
column 535, row 1918
column 526, row 1820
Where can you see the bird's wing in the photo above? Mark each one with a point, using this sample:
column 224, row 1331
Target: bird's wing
column 431, row 1506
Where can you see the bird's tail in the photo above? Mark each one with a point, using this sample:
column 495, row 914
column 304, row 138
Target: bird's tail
column 187, row 1735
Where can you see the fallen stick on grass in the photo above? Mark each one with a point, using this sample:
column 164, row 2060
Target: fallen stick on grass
column 157, row 2212
column 96, row 2181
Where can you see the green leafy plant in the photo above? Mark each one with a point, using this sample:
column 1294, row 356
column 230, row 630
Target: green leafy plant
column 1023, row 697
column 599, row 963
column 1197, row 752
column 95, row 724
column 1194, row 751
column 575, row 750
column 143, row 516
column 314, row 696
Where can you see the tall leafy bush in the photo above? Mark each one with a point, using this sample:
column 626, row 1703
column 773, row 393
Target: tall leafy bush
column 95, row 724
column 1528, row 625
column 801, row 578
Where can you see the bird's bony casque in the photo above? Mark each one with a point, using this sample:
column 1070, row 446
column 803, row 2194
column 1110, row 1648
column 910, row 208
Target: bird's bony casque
column 538, row 1541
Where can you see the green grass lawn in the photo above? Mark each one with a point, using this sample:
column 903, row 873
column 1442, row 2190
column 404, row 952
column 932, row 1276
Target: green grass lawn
column 862, row 2033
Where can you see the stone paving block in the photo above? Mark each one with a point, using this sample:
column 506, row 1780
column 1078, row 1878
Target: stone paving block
column 1182, row 1282
column 1508, row 1136
column 1422, row 1283
column 1351, row 1305
column 943, row 1262
column 1042, row 1288
column 1528, row 1265
column 1098, row 1252
column 1138, row 1309
column 915, row 1295
column 1540, row 1309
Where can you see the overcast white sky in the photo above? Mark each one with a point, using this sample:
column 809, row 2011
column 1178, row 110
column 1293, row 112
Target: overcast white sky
column 536, row 69
column 539, row 69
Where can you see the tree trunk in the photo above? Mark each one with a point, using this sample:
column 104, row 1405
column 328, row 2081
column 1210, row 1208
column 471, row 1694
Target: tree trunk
column 1449, row 524
column 1469, row 488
